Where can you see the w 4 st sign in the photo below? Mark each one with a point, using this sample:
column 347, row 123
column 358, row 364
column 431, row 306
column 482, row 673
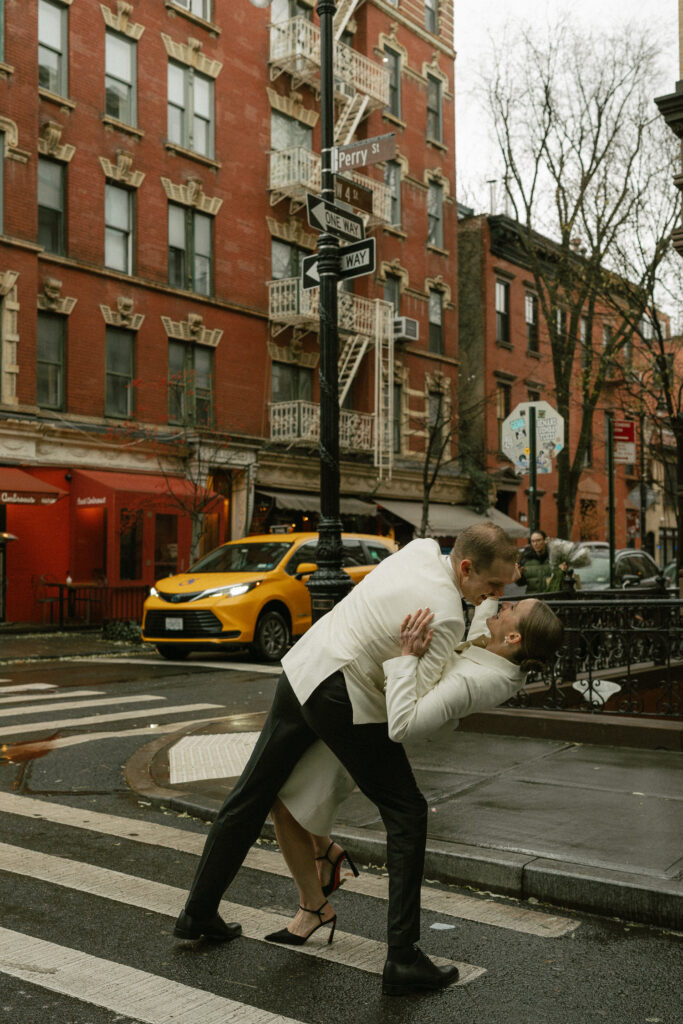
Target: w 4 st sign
column 515, row 436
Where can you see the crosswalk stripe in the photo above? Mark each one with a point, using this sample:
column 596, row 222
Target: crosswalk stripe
column 230, row 666
column 159, row 728
column 347, row 949
column 128, row 991
column 24, row 687
column 54, row 725
column 448, row 904
column 64, row 695
column 73, row 705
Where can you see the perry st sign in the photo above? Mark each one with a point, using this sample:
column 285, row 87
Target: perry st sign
column 360, row 154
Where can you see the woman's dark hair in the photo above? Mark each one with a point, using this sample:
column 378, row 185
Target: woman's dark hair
column 542, row 634
column 542, row 533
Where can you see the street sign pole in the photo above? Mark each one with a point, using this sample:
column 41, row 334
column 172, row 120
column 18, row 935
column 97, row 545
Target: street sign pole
column 533, row 525
column 329, row 584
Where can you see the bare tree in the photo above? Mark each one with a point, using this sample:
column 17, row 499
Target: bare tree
column 583, row 151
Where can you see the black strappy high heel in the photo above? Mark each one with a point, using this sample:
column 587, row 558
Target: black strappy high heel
column 290, row 939
column 335, row 882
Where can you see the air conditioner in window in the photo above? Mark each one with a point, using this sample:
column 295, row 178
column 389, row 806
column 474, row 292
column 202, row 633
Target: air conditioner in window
column 406, row 329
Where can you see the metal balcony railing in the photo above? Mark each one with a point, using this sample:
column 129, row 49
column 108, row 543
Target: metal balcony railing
column 294, row 172
column 298, row 422
column 295, row 50
column 289, row 305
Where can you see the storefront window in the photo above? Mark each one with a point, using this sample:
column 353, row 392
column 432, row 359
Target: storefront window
column 130, row 534
column 165, row 546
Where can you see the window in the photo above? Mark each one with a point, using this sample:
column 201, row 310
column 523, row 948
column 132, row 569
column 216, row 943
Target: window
column 120, row 79
column 202, row 8
column 432, row 16
column 130, row 544
column 52, row 47
column 353, row 552
column 588, row 454
column 51, row 206
column 398, row 417
column 190, row 383
column 533, row 395
column 50, row 361
column 531, row 314
column 392, row 292
column 435, row 322
column 503, row 312
column 586, row 353
column 190, row 109
column 190, row 260
column 2, row 29
column 392, row 59
column 392, row 178
column 285, row 260
column 561, row 325
column 503, row 405
column 289, row 133
column 434, row 109
column 118, row 231
column 284, row 10
column 435, row 215
column 118, row 386
column 2, row 173
column 291, row 383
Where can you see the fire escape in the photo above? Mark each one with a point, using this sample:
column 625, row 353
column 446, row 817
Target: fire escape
column 365, row 325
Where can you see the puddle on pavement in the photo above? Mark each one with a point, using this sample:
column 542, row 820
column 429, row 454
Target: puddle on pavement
column 30, row 750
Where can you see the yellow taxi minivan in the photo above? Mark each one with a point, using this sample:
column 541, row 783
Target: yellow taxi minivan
column 249, row 592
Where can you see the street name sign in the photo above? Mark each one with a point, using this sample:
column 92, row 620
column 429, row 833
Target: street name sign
column 354, row 260
column 549, row 436
column 367, row 151
column 324, row 216
column 624, row 435
column 354, row 194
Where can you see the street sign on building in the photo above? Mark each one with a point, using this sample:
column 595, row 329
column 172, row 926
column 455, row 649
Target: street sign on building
column 624, row 441
column 354, row 261
column 354, row 194
column 367, row 151
column 549, row 436
column 324, row 216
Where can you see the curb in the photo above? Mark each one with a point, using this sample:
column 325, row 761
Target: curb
column 632, row 897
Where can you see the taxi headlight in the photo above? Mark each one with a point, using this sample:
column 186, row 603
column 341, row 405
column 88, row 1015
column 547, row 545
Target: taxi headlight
column 153, row 592
column 234, row 590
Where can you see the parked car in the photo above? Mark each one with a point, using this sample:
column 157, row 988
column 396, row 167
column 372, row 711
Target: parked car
column 632, row 568
column 248, row 592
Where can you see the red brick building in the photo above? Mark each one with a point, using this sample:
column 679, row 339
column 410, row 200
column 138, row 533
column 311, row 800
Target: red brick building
column 505, row 359
column 155, row 160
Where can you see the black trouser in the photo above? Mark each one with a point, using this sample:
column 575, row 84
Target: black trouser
column 380, row 769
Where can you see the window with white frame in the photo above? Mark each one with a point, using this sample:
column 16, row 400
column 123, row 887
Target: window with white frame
column 120, row 78
column 435, row 215
column 190, row 383
column 392, row 292
column 202, row 8
column 285, row 10
column 50, row 361
column 584, row 337
column 503, row 312
column 285, row 259
column 434, row 108
column 53, row 47
column 290, row 382
column 392, row 59
column 190, row 249
column 432, row 16
column 289, row 133
column 190, row 109
column 52, row 205
column 435, row 322
column 119, row 365
column 531, row 317
column 392, row 178
column 561, row 325
column 118, row 231
column 606, row 335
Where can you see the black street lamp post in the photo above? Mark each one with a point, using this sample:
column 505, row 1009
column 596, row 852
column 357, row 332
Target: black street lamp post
column 329, row 584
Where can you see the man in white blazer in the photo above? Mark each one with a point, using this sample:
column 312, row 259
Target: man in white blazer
column 332, row 688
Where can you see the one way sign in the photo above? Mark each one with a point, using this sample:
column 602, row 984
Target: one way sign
column 324, row 216
column 354, row 261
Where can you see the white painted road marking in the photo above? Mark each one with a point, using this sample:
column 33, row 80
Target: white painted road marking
column 24, row 687
column 228, row 666
column 501, row 915
column 134, row 994
column 73, row 705
column 62, row 695
column 74, row 723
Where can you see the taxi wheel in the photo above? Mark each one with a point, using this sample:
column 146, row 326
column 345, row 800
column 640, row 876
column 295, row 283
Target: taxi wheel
column 171, row 652
column 271, row 638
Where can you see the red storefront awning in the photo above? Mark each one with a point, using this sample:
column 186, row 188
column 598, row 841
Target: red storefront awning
column 20, row 488
column 93, row 488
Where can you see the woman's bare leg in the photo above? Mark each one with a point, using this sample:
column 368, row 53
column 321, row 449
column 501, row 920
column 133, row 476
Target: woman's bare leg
column 299, row 851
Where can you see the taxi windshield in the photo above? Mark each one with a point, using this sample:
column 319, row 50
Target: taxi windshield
column 256, row 556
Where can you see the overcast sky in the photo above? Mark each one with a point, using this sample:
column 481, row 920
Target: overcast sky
column 475, row 20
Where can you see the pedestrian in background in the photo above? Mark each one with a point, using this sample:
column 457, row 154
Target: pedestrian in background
column 534, row 563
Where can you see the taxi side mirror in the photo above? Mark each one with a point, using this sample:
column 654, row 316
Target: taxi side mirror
column 305, row 569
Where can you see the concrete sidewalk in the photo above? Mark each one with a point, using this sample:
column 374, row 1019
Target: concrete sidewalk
column 578, row 824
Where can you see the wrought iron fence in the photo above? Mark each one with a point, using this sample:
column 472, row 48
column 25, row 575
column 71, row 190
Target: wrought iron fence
column 621, row 655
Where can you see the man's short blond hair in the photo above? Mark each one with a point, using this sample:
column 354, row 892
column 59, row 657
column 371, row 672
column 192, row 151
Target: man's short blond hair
column 483, row 543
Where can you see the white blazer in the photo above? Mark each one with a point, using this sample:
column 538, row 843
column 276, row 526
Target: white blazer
column 361, row 632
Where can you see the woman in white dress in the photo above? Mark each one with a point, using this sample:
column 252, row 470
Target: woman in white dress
column 480, row 674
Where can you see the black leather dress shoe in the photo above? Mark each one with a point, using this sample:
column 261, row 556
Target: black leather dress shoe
column 402, row 979
column 212, row 928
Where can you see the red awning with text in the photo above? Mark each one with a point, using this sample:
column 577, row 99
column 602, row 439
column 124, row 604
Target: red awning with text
column 20, row 488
